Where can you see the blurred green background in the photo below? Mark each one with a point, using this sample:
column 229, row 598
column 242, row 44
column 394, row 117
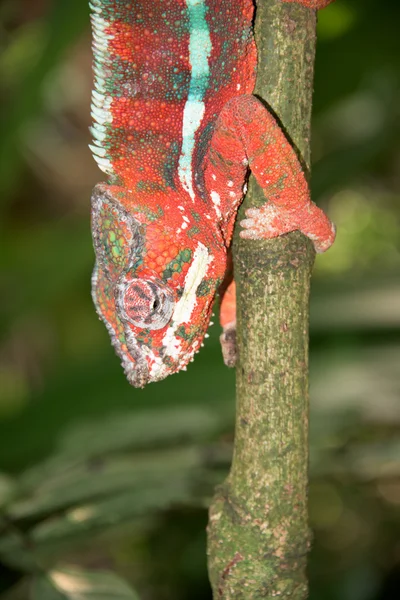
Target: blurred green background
column 96, row 474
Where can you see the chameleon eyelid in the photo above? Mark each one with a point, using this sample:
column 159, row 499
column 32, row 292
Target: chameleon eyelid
column 144, row 303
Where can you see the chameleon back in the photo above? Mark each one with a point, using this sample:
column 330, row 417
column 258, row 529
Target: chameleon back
column 163, row 71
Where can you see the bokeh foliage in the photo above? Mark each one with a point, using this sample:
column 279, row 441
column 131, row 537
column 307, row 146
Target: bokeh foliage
column 110, row 479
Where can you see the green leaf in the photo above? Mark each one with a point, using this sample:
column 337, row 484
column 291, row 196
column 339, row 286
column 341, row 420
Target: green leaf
column 128, row 430
column 70, row 583
column 87, row 520
column 50, row 538
column 90, row 481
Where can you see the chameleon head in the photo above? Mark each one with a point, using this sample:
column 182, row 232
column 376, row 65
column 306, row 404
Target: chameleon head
column 153, row 292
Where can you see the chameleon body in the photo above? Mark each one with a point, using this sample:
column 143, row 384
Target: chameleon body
column 177, row 131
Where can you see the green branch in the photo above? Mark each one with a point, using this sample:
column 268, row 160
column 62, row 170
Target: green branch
column 258, row 529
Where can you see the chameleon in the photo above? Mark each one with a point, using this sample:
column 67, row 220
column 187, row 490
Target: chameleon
column 177, row 130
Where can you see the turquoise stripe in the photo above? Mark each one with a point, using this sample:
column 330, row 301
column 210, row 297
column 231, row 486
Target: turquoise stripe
column 199, row 48
column 199, row 52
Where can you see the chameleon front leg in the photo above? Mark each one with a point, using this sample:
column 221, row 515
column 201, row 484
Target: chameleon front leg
column 247, row 136
column 276, row 168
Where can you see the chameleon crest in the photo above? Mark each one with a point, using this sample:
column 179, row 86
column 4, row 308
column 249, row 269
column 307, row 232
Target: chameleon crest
column 176, row 130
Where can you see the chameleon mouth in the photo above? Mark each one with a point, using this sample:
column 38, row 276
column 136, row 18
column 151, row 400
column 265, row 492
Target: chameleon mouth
column 142, row 366
column 140, row 373
column 135, row 366
column 137, row 375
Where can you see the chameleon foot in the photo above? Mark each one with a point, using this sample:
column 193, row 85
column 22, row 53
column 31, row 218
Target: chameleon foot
column 228, row 345
column 270, row 221
column 264, row 223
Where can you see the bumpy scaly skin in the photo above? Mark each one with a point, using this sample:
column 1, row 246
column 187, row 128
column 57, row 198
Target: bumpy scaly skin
column 176, row 130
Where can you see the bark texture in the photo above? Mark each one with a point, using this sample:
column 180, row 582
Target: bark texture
column 258, row 528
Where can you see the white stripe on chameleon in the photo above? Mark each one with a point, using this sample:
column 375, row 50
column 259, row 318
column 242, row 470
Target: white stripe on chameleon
column 172, row 343
column 185, row 306
column 215, row 197
column 199, row 52
column 192, row 116
column 101, row 102
column 182, row 313
column 158, row 369
column 195, row 275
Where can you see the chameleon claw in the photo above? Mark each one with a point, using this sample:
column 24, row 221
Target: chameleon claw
column 261, row 224
column 249, row 234
column 271, row 221
column 247, row 223
column 251, row 212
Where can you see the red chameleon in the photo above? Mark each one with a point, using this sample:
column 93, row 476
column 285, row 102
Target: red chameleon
column 177, row 130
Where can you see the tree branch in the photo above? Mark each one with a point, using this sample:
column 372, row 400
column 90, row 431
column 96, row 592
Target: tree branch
column 258, row 529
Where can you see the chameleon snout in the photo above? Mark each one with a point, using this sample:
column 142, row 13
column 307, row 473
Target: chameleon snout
column 138, row 376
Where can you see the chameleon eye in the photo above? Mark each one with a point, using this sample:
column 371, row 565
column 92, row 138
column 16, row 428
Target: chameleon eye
column 117, row 236
column 147, row 304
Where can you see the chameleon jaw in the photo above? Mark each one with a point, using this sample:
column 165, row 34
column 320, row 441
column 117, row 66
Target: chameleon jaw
column 138, row 375
column 145, row 365
column 150, row 368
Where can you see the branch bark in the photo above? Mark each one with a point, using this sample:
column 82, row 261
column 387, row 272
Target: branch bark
column 258, row 528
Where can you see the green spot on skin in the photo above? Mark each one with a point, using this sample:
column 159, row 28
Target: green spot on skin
column 193, row 231
column 205, row 287
column 150, row 214
column 175, row 266
column 186, row 255
column 195, row 215
column 187, row 334
column 181, row 332
column 280, row 184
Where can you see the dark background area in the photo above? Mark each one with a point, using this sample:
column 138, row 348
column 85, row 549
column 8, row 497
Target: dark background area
column 96, row 474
